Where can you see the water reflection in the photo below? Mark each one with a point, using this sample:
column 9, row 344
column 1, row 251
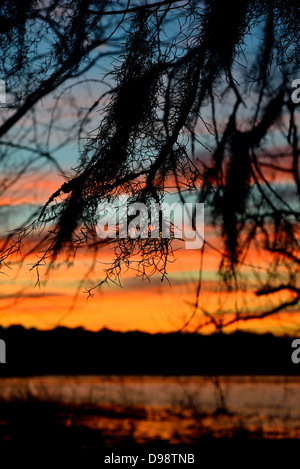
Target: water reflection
column 175, row 409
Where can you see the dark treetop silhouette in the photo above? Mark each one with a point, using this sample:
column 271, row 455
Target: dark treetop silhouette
column 199, row 100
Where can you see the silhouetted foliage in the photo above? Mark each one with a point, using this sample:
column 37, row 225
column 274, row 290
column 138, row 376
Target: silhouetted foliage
column 199, row 100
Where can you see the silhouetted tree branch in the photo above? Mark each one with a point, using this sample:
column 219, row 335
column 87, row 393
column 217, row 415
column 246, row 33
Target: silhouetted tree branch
column 190, row 100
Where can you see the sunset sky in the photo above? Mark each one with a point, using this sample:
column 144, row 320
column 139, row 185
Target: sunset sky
column 151, row 306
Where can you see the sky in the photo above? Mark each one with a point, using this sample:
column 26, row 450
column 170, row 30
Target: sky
column 60, row 299
column 153, row 306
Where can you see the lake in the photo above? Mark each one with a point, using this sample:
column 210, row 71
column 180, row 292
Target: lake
column 177, row 409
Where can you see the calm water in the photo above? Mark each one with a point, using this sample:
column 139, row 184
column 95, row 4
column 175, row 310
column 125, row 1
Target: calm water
column 177, row 408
